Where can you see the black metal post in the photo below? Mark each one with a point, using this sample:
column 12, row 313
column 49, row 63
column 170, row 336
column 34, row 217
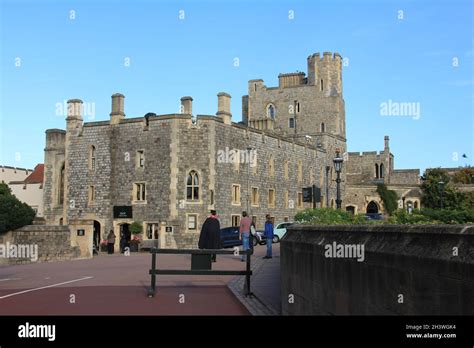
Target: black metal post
column 442, row 194
column 327, row 186
column 314, row 196
column 153, row 275
column 338, row 190
column 247, row 276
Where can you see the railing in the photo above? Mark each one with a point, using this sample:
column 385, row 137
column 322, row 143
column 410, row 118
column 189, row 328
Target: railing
column 201, row 264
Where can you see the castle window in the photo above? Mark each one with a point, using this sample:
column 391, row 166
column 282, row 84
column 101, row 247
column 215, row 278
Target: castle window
column 61, row 186
column 192, row 186
column 271, row 166
column 192, row 222
column 271, row 198
column 92, row 157
column 286, row 199
column 299, row 202
column 212, row 197
column 291, row 122
column 376, row 171
column 322, row 85
column 300, row 171
column 323, row 127
column 271, row 111
column 236, row 194
column 139, row 191
column 91, row 194
column 140, row 159
column 255, row 197
column 297, row 107
column 235, row 220
column 382, row 170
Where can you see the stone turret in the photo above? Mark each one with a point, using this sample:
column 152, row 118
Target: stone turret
column 118, row 112
column 187, row 105
column 223, row 107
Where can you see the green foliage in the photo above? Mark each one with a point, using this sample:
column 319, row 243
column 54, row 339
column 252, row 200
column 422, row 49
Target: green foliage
column 389, row 198
column 328, row 216
column 432, row 192
column 13, row 213
column 136, row 227
column 433, row 216
column 464, row 176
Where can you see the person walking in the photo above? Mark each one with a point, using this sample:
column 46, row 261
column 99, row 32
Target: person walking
column 244, row 233
column 210, row 237
column 110, row 242
column 268, row 236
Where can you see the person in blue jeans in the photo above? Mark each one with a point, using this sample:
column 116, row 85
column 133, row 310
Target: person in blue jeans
column 244, row 232
column 268, row 236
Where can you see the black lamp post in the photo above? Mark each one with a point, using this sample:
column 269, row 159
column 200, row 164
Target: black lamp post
column 338, row 167
column 441, row 191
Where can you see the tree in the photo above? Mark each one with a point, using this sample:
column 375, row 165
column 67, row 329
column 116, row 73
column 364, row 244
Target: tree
column 389, row 198
column 431, row 198
column 13, row 213
column 464, row 176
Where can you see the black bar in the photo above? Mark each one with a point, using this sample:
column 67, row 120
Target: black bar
column 196, row 272
column 153, row 276
column 314, row 196
column 191, row 251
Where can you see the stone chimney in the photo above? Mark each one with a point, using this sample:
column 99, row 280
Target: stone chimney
column 223, row 107
column 187, row 105
column 74, row 115
column 117, row 113
column 386, row 146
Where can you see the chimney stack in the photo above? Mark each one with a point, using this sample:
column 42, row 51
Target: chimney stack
column 187, row 105
column 117, row 113
column 386, row 140
column 223, row 107
column 74, row 109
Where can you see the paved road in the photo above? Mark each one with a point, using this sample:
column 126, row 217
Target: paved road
column 117, row 284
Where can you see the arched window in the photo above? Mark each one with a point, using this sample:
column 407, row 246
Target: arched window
column 192, row 186
column 92, row 157
column 376, row 171
column 323, row 127
column 382, row 170
column 61, row 186
column 271, row 111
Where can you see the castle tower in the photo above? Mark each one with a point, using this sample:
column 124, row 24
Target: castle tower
column 118, row 112
column 223, row 107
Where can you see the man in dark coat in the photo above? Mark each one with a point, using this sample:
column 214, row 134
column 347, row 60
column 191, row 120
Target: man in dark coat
column 210, row 237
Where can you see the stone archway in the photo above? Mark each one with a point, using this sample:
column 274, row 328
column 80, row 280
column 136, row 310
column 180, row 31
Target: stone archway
column 372, row 208
column 351, row 209
column 97, row 235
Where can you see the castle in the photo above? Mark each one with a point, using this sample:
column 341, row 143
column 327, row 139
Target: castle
column 167, row 171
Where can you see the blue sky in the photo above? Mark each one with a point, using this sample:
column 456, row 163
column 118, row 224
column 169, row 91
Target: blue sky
column 422, row 55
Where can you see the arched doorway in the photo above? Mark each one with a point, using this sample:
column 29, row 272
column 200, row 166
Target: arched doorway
column 97, row 235
column 372, row 208
column 125, row 236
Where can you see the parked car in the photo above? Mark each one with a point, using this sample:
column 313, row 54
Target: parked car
column 278, row 233
column 230, row 237
column 374, row 216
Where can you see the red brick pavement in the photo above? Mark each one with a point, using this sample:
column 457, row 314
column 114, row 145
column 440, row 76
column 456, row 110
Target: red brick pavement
column 118, row 286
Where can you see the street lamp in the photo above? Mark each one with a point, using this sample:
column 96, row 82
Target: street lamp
column 441, row 190
column 338, row 167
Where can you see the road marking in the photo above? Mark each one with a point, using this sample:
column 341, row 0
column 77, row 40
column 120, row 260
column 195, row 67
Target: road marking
column 3, row 280
column 44, row 287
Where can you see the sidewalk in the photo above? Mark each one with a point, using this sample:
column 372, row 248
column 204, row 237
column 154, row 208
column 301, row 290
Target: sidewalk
column 265, row 285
